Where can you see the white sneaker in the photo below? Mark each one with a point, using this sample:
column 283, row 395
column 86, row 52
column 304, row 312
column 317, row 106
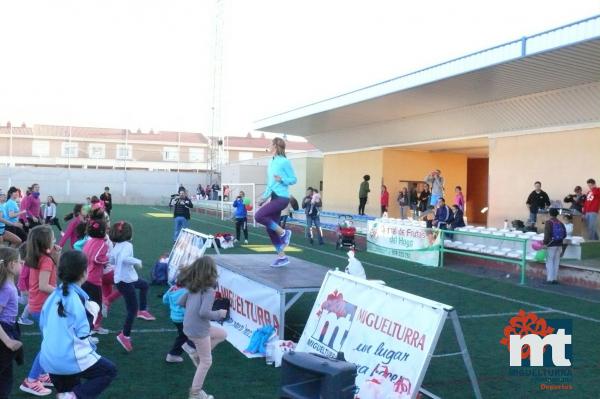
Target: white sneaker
column 94, row 340
column 246, row 242
column 66, row 395
column 173, row 359
column 101, row 331
column 24, row 322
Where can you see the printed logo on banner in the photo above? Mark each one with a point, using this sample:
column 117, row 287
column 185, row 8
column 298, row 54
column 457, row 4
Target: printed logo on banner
column 541, row 349
column 335, row 319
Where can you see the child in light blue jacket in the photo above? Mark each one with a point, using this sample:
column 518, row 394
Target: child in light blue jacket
column 67, row 353
column 182, row 343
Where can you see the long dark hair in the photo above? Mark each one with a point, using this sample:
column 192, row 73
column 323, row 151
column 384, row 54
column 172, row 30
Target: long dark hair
column 7, row 256
column 71, row 269
column 39, row 243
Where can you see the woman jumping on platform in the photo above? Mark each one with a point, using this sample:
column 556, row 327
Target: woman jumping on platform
column 280, row 175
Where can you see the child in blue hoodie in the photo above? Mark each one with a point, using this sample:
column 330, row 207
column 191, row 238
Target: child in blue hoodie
column 241, row 218
column 182, row 342
column 67, row 352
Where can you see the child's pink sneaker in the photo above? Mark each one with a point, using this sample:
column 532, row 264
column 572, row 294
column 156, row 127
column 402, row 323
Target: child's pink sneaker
column 144, row 314
column 45, row 380
column 35, row 388
column 125, row 342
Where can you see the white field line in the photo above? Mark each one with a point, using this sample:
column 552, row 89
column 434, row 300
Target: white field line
column 433, row 280
column 140, row 331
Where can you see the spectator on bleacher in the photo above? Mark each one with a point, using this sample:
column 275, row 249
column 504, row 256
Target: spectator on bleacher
column 436, row 183
column 424, row 198
column 385, row 199
column 363, row 194
column 538, row 200
column 311, row 205
column 591, row 208
column 403, row 202
column 207, row 192
column 554, row 234
column 181, row 212
column 458, row 219
column 428, row 215
column 215, row 191
column 443, row 215
column 459, row 198
column 413, row 200
column 226, row 193
column 106, row 196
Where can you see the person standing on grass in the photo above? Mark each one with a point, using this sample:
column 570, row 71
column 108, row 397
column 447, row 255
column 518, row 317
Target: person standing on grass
column 75, row 218
column 200, row 278
column 67, row 352
column 31, row 204
column 280, row 176
column 363, row 194
column 311, row 207
column 181, row 212
column 106, row 196
column 591, row 206
column 96, row 249
column 554, row 234
column 241, row 218
column 127, row 280
column 536, row 201
column 182, row 342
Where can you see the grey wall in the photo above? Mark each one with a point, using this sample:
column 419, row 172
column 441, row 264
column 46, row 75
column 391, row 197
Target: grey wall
column 142, row 187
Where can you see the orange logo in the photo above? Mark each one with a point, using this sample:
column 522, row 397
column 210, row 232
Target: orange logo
column 524, row 324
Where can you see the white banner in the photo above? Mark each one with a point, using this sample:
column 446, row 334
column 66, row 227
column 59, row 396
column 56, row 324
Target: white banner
column 253, row 306
column 389, row 334
column 186, row 250
column 396, row 238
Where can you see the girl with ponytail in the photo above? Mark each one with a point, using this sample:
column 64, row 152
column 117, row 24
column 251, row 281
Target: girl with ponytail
column 67, row 353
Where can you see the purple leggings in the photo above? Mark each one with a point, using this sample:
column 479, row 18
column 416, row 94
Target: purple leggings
column 268, row 215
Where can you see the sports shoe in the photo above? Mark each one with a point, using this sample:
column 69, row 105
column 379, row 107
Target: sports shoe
column 286, row 238
column 188, row 348
column 24, row 322
column 144, row 314
column 280, row 262
column 105, row 307
column 245, row 242
column 35, row 388
column 125, row 342
column 200, row 395
column 45, row 380
column 94, row 340
column 100, row 330
column 173, row 359
column 66, row 395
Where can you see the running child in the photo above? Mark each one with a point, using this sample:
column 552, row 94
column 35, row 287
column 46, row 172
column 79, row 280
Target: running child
column 200, row 278
column 42, row 256
column 127, row 280
column 96, row 249
column 23, row 287
column 67, row 351
column 182, row 342
column 241, row 218
column 10, row 344
column 75, row 218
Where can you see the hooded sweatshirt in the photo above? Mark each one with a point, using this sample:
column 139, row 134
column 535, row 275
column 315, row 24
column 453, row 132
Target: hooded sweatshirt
column 66, row 347
column 280, row 166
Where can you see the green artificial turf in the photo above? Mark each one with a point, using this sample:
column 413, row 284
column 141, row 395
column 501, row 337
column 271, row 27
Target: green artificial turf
column 144, row 373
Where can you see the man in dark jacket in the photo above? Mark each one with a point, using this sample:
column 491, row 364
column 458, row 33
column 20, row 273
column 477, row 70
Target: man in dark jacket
column 363, row 194
column 106, row 197
column 537, row 200
column 443, row 215
column 181, row 212
column 554, row 234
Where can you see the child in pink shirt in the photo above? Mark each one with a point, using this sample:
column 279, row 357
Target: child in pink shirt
column 96, row 250
column 23, row 287
column 459, row 198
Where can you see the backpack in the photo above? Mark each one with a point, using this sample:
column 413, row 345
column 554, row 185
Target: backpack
column 160, row 272
column 221, row 303
column 558, row 231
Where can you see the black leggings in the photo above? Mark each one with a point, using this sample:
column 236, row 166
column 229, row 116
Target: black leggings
column 131, row 301
column 18, row 232
column 53, row 221
column 241, row 225
column 361, row 205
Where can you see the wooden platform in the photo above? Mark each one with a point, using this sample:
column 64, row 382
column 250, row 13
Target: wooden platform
column 298, row 275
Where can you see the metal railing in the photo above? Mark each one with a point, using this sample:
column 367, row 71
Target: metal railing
column 521, row 261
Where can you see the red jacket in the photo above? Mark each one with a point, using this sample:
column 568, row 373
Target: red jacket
column 385, row 198
column 592, row 201
column 96, row 250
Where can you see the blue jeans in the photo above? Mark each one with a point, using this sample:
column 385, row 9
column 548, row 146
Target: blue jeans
column 434, row 199
column 131, row 301
column 532, row 217
column 97, row 379
column 180, row 223
column 36, row 367
column 591, row 222
column 310, row 220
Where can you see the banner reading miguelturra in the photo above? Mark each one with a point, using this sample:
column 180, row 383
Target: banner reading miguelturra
column 389, row 334
column 414, row 243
